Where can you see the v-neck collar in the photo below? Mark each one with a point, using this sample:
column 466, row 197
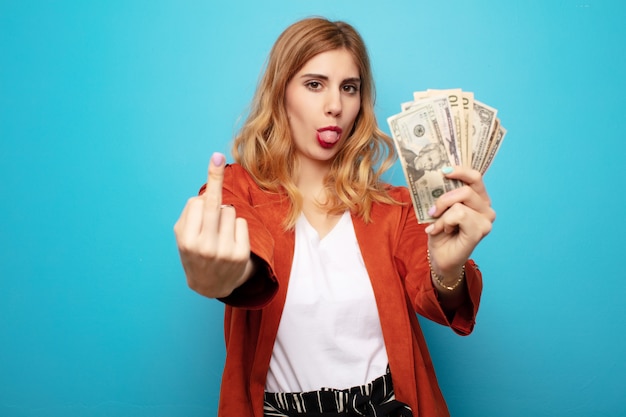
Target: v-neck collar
column 312, row 233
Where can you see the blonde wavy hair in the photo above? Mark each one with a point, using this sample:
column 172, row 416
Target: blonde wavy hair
column 264, row 145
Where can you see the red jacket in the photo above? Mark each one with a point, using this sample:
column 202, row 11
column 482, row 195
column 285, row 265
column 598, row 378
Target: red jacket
column 393, row 246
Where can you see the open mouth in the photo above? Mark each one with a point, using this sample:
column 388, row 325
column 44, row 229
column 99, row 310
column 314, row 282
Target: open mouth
column 328, row 136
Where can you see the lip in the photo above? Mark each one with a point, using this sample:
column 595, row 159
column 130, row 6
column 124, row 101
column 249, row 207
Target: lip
column 328, row 145
column 332, row 128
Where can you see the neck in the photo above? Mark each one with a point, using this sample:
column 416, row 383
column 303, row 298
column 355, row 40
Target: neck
column 310, row 183
column 310, row 179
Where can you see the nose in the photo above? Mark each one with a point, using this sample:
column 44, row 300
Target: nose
column 333, row 103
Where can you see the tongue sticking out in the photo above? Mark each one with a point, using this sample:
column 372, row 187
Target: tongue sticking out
column 329, row 136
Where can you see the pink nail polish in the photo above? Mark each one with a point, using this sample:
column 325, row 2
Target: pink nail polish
column 432, row 211
column 218, row 159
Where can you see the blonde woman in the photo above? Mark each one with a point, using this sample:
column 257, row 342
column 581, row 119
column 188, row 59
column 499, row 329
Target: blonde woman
column 322, row 266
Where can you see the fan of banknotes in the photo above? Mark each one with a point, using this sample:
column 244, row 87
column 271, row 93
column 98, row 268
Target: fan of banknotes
column 443, row 128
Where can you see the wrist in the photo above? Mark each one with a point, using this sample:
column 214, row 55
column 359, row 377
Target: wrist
column 450, row 280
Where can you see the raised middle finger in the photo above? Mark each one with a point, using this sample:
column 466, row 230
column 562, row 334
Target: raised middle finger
column 213, row 195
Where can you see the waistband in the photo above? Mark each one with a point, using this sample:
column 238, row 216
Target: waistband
column 376, row 398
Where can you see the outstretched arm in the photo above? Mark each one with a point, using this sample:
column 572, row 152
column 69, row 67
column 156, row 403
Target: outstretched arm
column 213, row 244
column 464, row 218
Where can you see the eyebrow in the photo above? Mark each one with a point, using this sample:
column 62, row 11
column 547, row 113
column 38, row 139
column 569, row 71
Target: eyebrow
column 325, row 78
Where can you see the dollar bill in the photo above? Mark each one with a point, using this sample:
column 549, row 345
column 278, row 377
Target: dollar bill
column 493, row 148
column 456, row 106
column 422, row 142
column 440, row 106
column 483, row 123
column 482, row 155
column 443, row 128
column 468, row 105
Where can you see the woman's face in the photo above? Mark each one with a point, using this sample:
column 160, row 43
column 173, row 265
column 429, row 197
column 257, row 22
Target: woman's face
column 322, row 101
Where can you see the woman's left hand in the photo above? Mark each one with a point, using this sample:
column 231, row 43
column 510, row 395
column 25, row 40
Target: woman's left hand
column 463, row 217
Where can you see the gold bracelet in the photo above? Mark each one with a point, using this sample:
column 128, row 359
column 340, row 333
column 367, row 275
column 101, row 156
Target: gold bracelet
column 438, row 278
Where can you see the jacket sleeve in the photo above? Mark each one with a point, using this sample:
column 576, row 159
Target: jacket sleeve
column 261, row 287
column 412, row 263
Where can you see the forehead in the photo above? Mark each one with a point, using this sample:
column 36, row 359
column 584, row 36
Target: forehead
column 338, row 62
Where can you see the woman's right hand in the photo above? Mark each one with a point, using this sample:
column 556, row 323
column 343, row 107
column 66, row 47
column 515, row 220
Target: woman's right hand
column 214, row 245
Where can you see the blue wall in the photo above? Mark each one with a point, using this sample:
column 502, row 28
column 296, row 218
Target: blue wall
column 109, row 112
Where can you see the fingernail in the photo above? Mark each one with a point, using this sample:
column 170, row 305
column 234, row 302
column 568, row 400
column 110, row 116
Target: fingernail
column 429, row 228
column 218, row 159
column 432, row 210
column 447, row 170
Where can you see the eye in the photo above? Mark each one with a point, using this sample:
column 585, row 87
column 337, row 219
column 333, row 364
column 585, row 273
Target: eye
column 313, row 85
column 350, row 88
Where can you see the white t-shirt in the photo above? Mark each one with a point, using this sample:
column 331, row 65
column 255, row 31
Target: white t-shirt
column 329, row 333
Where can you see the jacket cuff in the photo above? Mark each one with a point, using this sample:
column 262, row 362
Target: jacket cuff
column 257, row 291
column 464, row 318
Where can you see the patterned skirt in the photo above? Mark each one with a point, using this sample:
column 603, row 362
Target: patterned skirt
column 376, row 399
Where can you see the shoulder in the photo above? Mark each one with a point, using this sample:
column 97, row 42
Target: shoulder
column 235, row 178
column 236, row 172
column 394, row 212
column 391, row 224
column 398, row 193
column 239, row 182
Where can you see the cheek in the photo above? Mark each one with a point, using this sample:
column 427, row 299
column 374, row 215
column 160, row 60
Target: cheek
column 356, row 113
column 293, row 110
column 291, row 103
column 356, row 108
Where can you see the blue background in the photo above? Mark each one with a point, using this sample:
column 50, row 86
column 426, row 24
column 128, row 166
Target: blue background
column 110, row 110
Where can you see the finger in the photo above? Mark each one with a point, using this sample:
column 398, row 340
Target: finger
column 448, row 222
column 461, row 219
column 193, row 218
column 226, row 238
column 180, row 222
column 464, row 195
column 213, row 197
column 242, row 238
column 215, row 180
column 190, row 220
column 450, row 228
column 469, row 176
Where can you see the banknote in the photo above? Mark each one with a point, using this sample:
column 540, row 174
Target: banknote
column 493, row 149
column 444, row 118
column 456, row 107
column 443, row 128
column 484, row 119
column 468, row 104
column 421, row 136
